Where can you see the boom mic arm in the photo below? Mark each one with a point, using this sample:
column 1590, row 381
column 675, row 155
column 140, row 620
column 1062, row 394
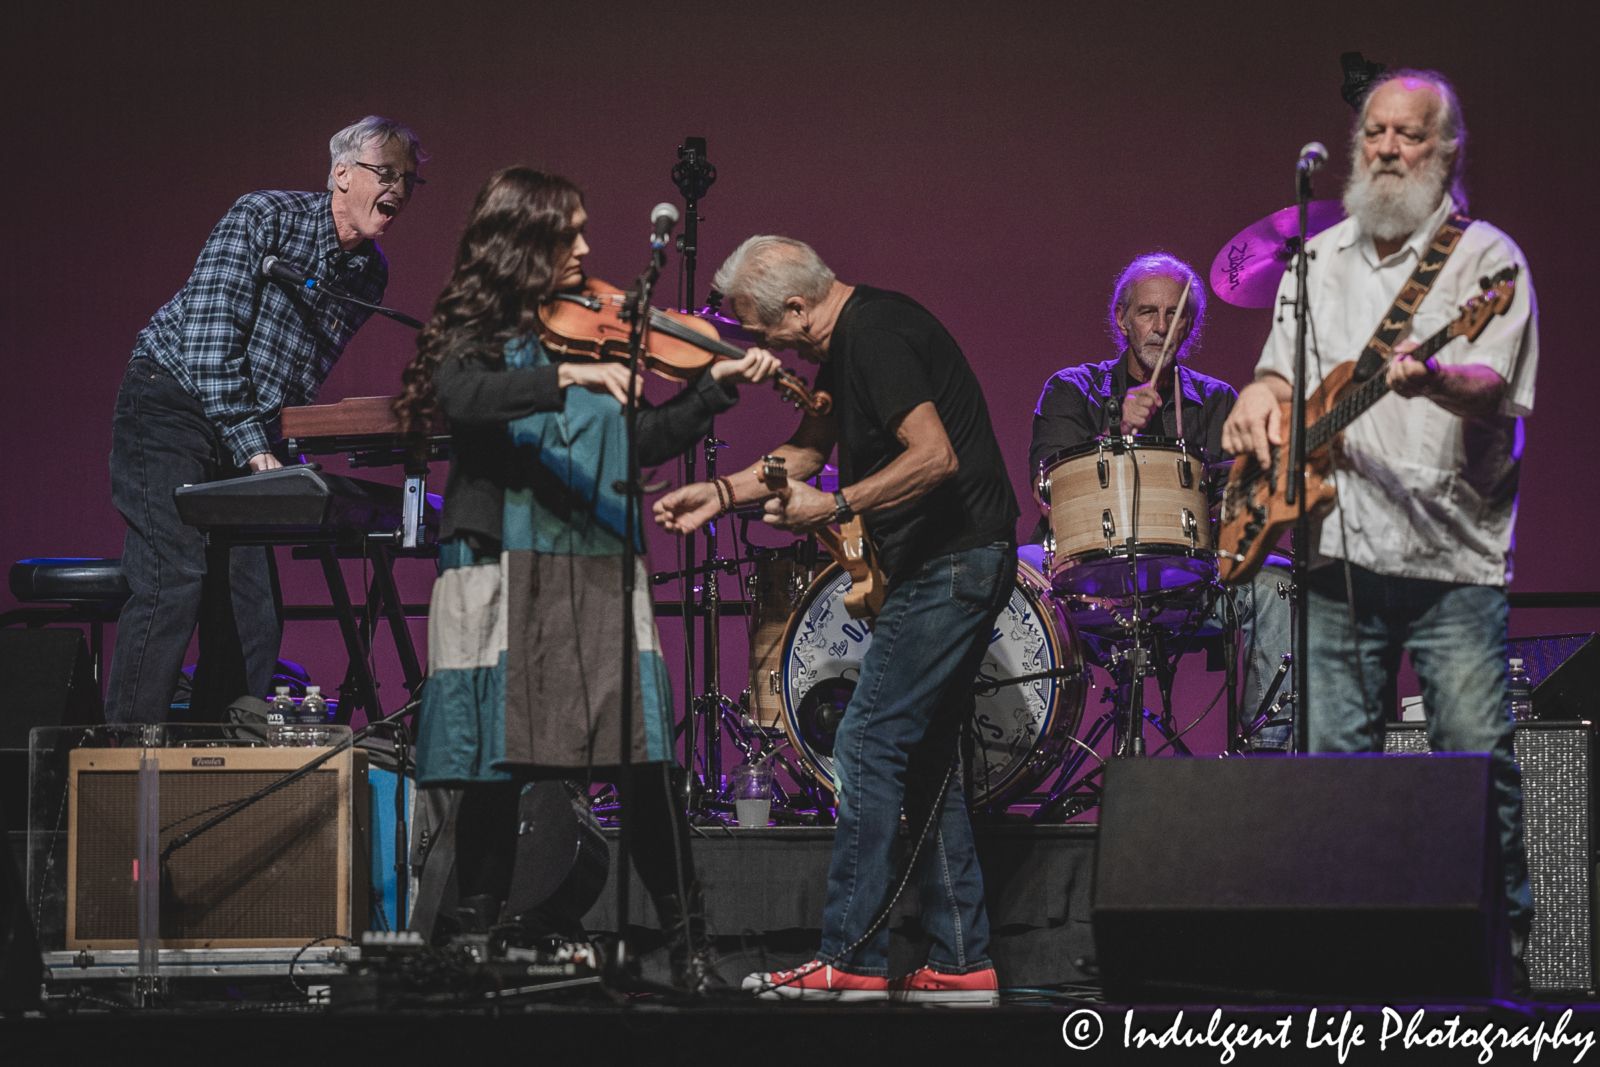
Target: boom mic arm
column 277, row 269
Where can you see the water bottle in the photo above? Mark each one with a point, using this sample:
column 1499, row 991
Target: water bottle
column 282, row 709
column 314, row 709
column 1519, row 688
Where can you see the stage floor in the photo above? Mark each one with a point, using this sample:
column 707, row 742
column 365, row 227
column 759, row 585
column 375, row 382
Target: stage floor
column 600, row 1032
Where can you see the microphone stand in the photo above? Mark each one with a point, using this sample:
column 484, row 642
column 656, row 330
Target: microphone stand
column 694, row 175
column 340, row 294
column 638, row 311
column 1295, row 489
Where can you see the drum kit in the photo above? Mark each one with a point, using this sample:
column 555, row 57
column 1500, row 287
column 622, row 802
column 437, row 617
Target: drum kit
column 1125, row 580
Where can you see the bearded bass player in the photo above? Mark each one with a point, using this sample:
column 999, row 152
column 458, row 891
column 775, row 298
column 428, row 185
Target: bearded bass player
column 1417, row 551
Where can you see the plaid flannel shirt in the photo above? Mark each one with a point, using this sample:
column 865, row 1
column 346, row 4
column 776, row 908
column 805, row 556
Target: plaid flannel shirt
column 245, row 346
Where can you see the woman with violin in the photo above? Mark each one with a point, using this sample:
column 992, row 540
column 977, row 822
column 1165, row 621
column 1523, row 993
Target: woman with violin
column 525, row 621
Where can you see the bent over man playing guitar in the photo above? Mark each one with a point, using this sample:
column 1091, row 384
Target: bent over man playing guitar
column 1427, row 478
column 917, row 457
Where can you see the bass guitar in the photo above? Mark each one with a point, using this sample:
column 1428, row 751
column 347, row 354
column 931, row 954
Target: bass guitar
column 1255, row 511
column 849, row 546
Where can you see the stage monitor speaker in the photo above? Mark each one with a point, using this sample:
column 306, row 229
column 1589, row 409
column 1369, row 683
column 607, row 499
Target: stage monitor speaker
column 1365, row 878
column 1565, row 672
column 46, row 679
column 290, row 868
column 561, row 865
column 1557, row 760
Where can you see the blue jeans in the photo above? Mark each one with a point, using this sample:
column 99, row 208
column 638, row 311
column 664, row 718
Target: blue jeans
column 894, row 746
column 161, row 439
column 1456, row 635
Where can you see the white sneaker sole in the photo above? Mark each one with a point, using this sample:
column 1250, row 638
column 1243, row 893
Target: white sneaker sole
column 841, row 996
column 761, row 985
column 950, row 998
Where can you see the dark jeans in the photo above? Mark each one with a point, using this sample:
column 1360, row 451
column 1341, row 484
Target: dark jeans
column 161, row 439
column 1456, row 635
column 893, row 748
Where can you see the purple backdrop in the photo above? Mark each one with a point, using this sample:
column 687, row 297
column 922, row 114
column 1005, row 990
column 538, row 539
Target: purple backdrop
column 999, row 165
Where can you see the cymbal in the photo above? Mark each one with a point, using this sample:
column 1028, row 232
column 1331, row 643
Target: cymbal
column 1247, row 271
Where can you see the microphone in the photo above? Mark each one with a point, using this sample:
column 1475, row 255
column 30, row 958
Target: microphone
column 1312, row 158
column 663, row 217
column 273, row 267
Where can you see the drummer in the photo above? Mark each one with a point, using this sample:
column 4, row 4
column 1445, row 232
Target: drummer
column 1078, row 404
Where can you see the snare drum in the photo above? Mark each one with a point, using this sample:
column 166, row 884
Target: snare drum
column 1111, row 495
column 1021, row 730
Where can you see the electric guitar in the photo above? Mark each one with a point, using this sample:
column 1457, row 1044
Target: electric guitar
column 1254, row 509
column 850, row 547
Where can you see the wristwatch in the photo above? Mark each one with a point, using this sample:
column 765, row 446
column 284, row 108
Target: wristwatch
column 842, row 512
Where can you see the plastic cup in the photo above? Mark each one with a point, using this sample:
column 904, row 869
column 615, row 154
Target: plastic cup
column 753, row 812
column 752, row 793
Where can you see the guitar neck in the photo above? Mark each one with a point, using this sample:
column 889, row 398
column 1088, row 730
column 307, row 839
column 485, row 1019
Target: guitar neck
column 1366, row 394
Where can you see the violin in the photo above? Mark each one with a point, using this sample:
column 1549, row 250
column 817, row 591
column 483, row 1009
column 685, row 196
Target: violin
column 590, row 322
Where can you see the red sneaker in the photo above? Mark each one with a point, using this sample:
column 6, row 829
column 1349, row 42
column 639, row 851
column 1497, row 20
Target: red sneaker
column 975, row 989
column 817, row 981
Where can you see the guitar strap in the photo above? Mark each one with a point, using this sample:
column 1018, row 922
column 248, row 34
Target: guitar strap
column 1398, row 318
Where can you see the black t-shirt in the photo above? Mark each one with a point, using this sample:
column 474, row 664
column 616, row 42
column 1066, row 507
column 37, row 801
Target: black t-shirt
column 887, row 355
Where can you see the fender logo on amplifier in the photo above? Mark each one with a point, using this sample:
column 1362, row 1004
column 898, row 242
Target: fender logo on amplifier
column 208, row 761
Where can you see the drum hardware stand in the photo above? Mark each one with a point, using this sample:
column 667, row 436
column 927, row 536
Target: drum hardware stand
column 763, row 743
column 1165, row 671
column 1073, row 793
column 1269, row 708
column 711, row 704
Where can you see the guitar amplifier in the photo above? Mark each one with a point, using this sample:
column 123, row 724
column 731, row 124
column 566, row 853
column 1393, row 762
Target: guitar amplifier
column 287, row 870
column 1558, row 763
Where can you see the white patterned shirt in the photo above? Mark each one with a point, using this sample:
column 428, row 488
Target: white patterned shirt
column 1422, row 493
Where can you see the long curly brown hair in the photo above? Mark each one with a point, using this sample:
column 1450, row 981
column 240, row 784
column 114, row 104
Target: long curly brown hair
column 515, row 241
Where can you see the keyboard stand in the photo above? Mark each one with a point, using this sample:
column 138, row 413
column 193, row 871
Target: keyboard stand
column 360, row 688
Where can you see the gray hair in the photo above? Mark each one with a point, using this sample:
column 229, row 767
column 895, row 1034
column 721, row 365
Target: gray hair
column 1160, row 265
column 768, row 270
column 1452, row 127
column 374, row 131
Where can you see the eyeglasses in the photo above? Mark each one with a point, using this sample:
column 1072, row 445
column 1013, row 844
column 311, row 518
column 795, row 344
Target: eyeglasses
column 387, row 176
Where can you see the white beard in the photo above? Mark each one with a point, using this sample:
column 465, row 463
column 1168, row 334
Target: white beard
column 1390, row 206
column 1148, row 357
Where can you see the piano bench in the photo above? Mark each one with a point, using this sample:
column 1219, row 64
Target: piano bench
column 77, row 591
column 89, row 582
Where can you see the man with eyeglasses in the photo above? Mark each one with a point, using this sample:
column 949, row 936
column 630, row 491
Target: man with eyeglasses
column 200, row 402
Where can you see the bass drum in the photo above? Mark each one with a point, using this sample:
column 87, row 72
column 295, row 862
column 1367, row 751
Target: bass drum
column 1021, row 729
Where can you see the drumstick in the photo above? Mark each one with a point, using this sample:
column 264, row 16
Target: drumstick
column 1166, row 347
column 1172, row 331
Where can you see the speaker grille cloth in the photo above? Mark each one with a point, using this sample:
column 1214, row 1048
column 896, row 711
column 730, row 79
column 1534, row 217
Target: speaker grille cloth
column 269, row 872
column 1555, row 828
